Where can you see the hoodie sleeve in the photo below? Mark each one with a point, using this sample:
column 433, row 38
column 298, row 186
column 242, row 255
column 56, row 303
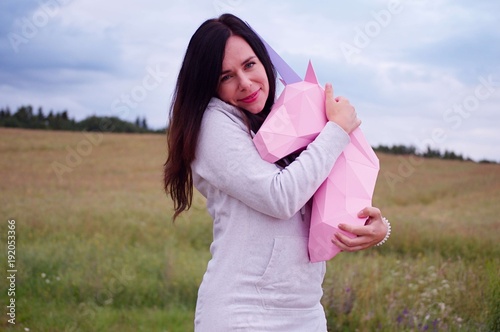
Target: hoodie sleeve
column 227, row 160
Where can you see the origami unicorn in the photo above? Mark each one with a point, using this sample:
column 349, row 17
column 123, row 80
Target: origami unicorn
column 295, row 120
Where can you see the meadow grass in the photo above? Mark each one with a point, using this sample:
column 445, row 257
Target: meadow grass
column 97, row 249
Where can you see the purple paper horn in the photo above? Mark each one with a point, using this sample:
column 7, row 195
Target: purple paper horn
column 286, row 72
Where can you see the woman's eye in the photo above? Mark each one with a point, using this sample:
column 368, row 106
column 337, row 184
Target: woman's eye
column 224, row 78
column 250, row 64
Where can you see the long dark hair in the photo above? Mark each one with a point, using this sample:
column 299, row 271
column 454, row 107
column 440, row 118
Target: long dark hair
column 196, row 84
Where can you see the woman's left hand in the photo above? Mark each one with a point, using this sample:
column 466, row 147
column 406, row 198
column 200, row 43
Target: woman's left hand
column 368, row 235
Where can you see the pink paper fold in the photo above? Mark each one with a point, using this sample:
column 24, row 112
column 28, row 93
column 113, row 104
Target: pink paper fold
column 297, row 117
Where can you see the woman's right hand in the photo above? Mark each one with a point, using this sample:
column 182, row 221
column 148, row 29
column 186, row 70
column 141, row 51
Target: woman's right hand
column 340, row 111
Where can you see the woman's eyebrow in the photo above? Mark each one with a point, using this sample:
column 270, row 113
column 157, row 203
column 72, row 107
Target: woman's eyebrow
column 249, row 58
column 244, row 62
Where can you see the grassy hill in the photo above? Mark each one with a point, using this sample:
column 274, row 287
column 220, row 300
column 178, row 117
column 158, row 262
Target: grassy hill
column 96, row 249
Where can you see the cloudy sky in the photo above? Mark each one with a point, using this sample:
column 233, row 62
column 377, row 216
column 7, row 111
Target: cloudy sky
column 419, row 72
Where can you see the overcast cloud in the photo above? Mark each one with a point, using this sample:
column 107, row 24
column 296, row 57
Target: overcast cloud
column 419, row 72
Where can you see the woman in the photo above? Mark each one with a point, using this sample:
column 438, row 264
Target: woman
column 260, row 277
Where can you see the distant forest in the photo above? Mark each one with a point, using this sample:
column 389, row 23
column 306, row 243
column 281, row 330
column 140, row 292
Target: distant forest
column 26, row 117
column 429, row 153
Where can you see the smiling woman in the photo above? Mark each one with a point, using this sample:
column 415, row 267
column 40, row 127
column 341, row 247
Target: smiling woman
column 260, row 277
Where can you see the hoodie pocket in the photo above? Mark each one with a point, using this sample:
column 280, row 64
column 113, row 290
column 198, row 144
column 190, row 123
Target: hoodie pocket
column 290, row 280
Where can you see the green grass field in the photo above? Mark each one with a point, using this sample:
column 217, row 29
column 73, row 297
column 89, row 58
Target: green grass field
column 96, row 249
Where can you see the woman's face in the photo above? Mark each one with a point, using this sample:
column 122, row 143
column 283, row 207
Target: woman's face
column 243, row 81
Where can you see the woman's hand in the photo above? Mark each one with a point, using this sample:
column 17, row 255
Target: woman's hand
column 340, row 111
column 368, row 235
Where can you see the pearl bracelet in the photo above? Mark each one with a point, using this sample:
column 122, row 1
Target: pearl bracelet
column 388, row 224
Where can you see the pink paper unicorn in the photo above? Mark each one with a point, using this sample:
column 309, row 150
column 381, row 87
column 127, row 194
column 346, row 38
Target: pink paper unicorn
column 297, row 117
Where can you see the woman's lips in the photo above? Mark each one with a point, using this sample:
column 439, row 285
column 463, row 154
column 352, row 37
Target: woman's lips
column 251, row 98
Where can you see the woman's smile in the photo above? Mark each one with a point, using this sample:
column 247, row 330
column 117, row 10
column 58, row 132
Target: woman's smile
column 251, row 98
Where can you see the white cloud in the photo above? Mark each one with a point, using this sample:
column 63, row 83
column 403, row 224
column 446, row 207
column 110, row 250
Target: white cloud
column 417, row 63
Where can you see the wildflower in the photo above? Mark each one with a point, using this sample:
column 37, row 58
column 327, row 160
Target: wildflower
column 402, row 316
column 43, row 275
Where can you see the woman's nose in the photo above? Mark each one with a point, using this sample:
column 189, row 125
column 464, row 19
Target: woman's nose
column 245, row 82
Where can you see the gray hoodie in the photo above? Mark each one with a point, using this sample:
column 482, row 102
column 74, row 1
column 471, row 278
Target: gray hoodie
column 260, row 277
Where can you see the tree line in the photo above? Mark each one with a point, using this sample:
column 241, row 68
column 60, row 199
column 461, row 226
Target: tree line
column 428, row 153
column 27, row 117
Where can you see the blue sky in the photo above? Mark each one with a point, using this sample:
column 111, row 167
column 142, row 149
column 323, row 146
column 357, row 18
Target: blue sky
column 419, row 72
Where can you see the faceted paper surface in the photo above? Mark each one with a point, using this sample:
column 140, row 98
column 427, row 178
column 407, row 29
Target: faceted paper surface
column 297, row 117
column 348, row 189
